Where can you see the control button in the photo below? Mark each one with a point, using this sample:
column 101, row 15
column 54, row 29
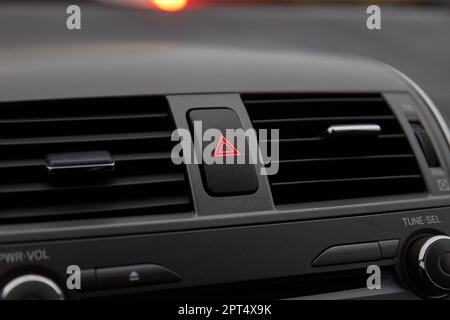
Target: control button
column 428, row 265
column 349, row 253
column 130, row 276
column 433, row 260
column 32, row 287
column 389, row 248
column 224, row 179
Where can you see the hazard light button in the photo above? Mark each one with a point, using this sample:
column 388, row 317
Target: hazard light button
column 225, row 178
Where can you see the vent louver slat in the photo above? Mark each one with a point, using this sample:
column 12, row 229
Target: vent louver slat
column 314, row 168
column 135, row 131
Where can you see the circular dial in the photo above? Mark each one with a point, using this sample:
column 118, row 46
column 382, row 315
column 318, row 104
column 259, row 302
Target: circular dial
column 428, row 265
column 31, row 287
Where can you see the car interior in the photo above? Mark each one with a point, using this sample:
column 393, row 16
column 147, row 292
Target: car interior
column 120, row 177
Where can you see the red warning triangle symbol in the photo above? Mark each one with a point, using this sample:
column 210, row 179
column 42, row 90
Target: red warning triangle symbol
column 225, row 149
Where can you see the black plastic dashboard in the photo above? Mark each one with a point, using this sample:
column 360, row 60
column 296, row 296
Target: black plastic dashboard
column 242, row 240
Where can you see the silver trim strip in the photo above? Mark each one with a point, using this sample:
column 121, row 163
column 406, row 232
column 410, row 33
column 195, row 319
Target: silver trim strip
column 353, row 129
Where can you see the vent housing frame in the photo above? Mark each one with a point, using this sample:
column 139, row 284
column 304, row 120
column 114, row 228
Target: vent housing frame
column 309, row 160
column 135, row 130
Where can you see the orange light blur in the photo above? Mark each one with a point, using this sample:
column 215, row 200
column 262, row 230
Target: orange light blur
column 170, row 5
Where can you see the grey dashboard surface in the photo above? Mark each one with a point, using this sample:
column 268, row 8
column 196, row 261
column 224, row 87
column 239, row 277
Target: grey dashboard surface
column 412, row 39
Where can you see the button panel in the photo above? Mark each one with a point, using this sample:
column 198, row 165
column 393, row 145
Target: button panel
column 126, row 276
column 349, row 253
column 224, row 179
column 359, row 252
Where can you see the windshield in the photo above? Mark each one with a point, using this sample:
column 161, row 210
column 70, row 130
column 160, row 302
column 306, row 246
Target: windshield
column 411, row 35
column 175, row 5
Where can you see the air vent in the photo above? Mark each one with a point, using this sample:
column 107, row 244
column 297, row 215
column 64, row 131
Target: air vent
column 132, row 132
column 317, row 166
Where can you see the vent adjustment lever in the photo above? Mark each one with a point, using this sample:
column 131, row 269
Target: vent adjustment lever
column 76, row 162
column 353, row 130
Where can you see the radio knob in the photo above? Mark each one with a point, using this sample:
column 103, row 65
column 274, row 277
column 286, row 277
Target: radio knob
column 428, row 266
column 32, row 287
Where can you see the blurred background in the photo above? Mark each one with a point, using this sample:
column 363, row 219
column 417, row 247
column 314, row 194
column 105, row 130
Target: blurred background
column 414, row 36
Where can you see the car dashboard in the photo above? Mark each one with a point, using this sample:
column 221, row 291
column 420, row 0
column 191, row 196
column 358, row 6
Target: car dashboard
column 89, row 181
